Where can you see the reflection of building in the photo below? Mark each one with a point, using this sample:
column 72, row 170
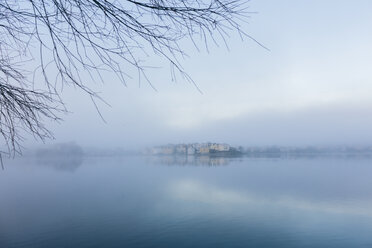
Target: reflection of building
column 203, row 160
column 191, row 149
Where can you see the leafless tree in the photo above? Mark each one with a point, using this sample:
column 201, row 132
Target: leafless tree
column 45, row 45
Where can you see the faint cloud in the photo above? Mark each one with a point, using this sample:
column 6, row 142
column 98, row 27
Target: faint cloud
column 220, row 199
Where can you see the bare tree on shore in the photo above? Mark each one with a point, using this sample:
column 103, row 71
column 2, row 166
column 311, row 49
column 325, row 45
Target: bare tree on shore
column 45, row 45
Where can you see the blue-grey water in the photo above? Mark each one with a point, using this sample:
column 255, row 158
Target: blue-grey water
column 186, row 202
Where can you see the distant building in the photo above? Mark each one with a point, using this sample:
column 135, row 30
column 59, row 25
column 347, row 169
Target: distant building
column 223, row 147
column 168, row 150
column 204, row 149
column 155, row 150
column 190, row 149
column 181, row 149
column 213, row 146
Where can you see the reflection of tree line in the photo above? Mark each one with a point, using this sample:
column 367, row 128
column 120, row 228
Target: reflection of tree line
column 64, row 157
column 210, row 160
column 190, row 160
column 308, row 155
column 309, row 151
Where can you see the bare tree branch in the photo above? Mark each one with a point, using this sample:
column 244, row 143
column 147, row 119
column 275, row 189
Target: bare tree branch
column 91, row 37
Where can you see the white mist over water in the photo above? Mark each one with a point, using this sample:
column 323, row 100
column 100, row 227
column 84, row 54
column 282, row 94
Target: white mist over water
column 312, row 87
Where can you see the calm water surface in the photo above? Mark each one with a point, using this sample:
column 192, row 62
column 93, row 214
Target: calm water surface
column 179, row 202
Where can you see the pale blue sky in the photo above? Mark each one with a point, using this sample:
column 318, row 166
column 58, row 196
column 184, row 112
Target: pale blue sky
column 313, row 87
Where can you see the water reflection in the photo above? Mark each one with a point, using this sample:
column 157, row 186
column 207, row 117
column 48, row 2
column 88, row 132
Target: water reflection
column 124, row 202
column 62, row 157
column 61, row 163
column 190, row 160
column 318, row 155
column 224, row 199
column 210, row 160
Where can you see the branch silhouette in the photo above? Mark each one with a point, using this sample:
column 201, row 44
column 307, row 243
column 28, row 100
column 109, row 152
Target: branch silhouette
column 58, row 41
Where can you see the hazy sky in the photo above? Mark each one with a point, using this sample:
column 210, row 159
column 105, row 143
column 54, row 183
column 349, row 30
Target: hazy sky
column 314, row 86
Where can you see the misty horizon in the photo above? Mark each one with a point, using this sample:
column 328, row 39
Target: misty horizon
column 312, row 87
column 186, row 124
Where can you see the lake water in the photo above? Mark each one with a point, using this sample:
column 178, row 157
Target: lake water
column 186, row 202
